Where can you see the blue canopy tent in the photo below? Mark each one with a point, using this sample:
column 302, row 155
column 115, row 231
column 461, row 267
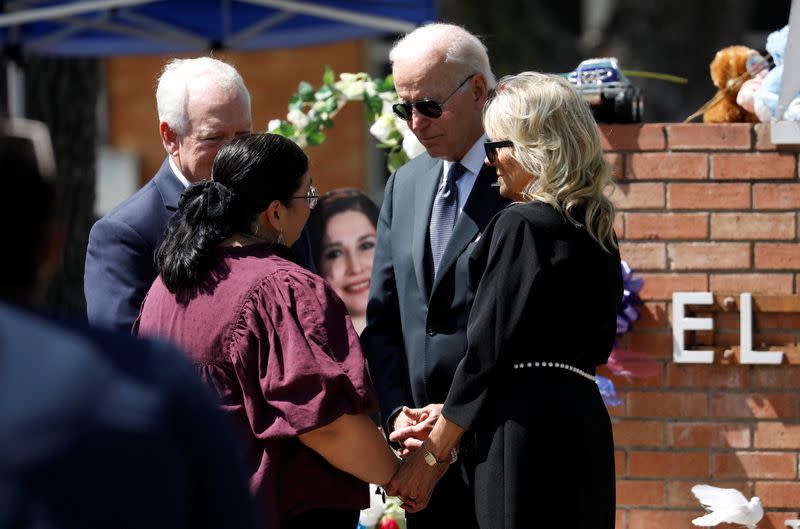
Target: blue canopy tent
column 99, row 28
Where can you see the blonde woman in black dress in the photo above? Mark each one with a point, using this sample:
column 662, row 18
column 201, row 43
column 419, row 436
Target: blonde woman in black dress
column 546, row 287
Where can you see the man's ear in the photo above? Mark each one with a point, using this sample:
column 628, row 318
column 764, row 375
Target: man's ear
column 480, row 89
column 168, row 138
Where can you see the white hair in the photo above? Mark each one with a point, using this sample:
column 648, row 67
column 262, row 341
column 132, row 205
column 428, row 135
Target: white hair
column 173, row 87
column 456, row 44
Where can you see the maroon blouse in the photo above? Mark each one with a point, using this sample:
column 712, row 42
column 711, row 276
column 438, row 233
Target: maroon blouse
column 277, row 346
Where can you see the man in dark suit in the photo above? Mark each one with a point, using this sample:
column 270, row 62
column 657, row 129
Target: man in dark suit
column 97, row 429
column 202, row 104
column 434, row 210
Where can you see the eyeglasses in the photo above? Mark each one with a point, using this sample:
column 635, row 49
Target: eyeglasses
column 427, row 107
column 491, row 148
column 312, row 197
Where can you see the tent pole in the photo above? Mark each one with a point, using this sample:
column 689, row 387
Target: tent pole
column 15, row 90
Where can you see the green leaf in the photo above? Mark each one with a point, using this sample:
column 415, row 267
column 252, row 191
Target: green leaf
column 374, row 106
column 328, row 76
column 331, row 105
column 295, row 102
column 386, row 84
column 397, row 159
column 316, row 137
column 286, row 129
column 312, row 127
column 327, row 123
column 305, row 91
column 323, row 93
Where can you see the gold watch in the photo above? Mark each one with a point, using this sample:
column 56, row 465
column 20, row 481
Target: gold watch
column 431, row 460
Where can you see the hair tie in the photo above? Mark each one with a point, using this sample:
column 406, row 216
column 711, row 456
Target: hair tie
column 218, row 198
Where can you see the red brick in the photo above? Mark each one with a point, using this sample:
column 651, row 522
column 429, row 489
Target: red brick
column 740, row 226
column 777, row 256
column 778, row 435
column 667, row 166
column 652, row 464
column 708, row 196
column 764, row 465
column 620, row 519
column 616, row 165
column 652, row 316
column 620, row 463
column 645, row 137
column 644, row 256
column 775, row 520
column 709, row 136
column 657, row 344
column 753, row 405
column 619, row 224
column 707, row 376
column 764, row 140
column 679, row 493
column 753, row 283
column 658, row 519
column 640, row 492
column 631, row 433
column 776, row 196
column 667, row 404
column 778, row 494
column 708, row 434
column 661, row 286
column 758, row 166
column 647, row 373
column 665, row 226
column 709, row 256
column 638, row 196
column 776, row 377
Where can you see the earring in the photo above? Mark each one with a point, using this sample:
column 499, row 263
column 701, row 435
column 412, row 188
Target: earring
column 280, row 239
column 256, row 231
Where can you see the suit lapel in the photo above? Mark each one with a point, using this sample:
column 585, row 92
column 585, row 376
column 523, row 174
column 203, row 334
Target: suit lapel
column 423, row 204
column 483, row 202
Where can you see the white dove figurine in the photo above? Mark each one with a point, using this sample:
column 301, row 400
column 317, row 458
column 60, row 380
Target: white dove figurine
column 727, row 506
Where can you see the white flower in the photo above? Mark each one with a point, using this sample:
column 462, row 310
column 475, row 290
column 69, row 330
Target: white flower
column 382, row 128
column 352, row 85
column 273, row 124
column 297, row 118
column 411, row 145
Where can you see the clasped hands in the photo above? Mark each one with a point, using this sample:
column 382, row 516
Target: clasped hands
column 414, row 480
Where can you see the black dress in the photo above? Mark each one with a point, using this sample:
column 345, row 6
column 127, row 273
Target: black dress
column 542, row 290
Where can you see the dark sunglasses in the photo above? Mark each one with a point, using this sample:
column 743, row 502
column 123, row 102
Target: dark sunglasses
column 491, row 148
column 427, row 107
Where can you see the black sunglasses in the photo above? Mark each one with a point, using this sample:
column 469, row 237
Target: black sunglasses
column 491, row 148
column 427, row 107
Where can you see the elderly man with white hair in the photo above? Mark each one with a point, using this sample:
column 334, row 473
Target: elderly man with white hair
column 202, row 105
column 435, row 208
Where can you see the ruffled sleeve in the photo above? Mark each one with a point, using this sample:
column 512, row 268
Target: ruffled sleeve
column 297, row 356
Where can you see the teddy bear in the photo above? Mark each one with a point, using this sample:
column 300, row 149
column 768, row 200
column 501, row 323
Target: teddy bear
column 729, row 72
column 766, row 98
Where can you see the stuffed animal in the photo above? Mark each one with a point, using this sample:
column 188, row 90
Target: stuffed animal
column 766, row 99
column 729, row 72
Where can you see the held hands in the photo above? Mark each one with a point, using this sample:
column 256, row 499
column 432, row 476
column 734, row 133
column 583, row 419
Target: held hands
column 413, row 483
column 414, row 425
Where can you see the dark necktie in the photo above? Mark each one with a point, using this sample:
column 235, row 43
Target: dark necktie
column 444, row 213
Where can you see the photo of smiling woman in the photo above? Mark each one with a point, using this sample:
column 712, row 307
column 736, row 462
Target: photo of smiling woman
column 342, row 230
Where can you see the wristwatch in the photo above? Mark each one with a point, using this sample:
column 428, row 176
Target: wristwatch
column 431, row 460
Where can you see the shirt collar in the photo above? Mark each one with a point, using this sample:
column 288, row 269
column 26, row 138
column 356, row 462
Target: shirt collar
column 473, row 160
column 177, row 172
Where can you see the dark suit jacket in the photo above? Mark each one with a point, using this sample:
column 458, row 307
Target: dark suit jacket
column 119, row 258
column 416, row 332
column 100, row 430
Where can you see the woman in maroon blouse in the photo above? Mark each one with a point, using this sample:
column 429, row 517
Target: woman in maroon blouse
column 272, row 339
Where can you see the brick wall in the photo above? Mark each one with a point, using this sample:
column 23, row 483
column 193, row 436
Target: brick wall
column 707, row 208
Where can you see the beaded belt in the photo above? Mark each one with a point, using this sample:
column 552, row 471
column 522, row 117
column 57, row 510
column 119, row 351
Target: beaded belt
column 584, row 374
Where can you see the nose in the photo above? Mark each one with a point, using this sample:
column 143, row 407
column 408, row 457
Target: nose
column 417, row 121
column 353, row 264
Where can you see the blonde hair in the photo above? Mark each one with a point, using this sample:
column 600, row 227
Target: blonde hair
column 556, row 140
